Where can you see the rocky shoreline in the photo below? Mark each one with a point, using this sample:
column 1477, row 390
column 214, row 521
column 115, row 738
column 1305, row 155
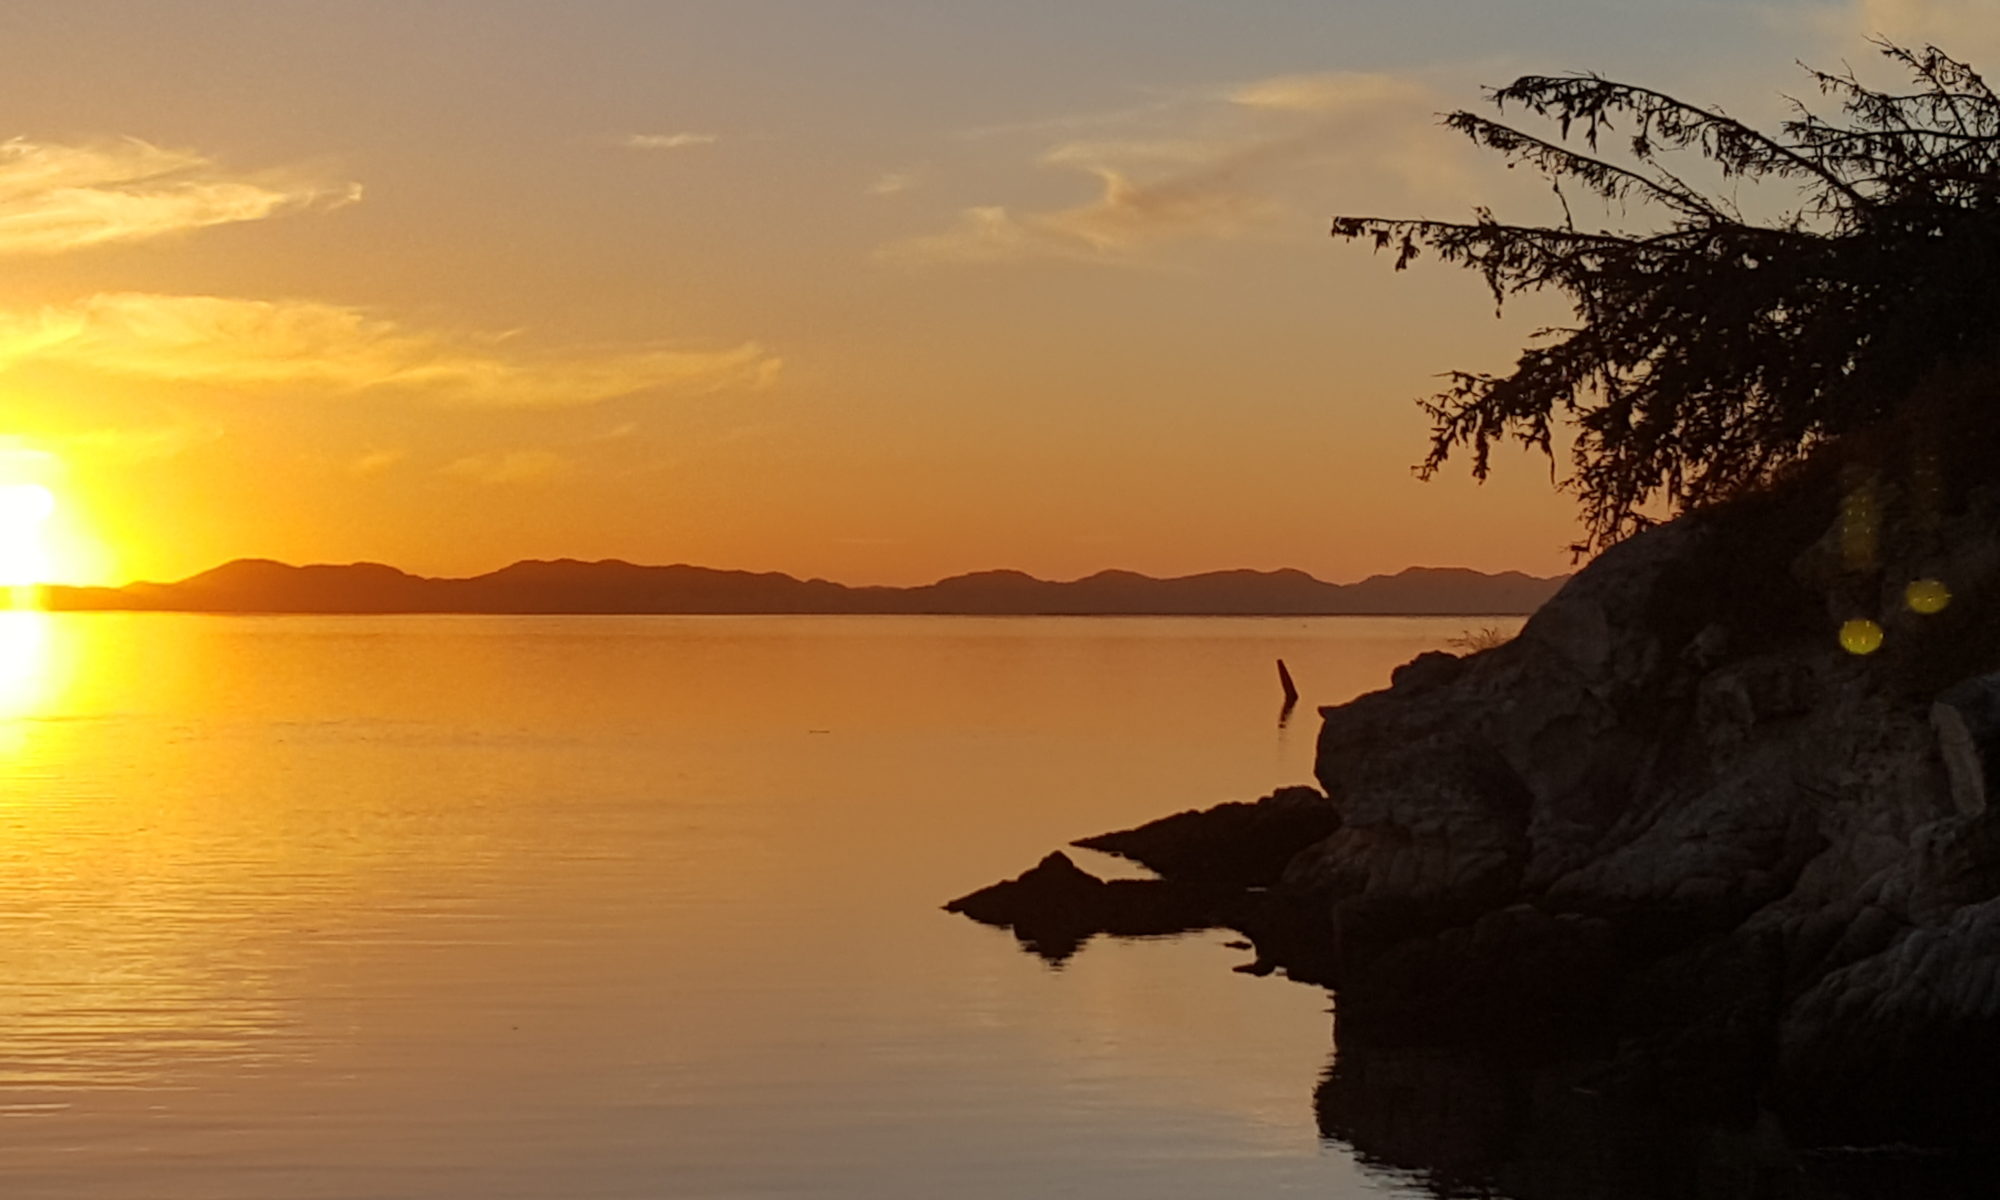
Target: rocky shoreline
column 1673, row 832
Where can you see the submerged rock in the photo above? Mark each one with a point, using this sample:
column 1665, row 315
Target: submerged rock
column 1057, row 906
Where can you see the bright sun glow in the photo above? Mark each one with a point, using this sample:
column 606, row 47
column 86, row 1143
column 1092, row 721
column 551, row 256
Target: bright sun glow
column 24, row 558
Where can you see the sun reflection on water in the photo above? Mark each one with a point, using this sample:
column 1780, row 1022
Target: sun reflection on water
column 24, row 663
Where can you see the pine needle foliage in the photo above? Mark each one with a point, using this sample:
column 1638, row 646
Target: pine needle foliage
column 1713, row 349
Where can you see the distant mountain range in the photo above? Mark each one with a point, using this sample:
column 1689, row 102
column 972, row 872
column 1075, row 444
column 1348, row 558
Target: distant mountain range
column 612, row 586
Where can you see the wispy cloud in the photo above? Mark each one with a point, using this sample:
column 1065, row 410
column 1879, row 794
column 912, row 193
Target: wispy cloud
column 893, row 183
column 55, row 197
column 509, row 467
column 1332, row 92
column 375, row 462
column 1217, row 166
column 232, row 342
column 134, row 444
column 666, row 141
column 120, row 445
column 1125, row 219
column 18, row 454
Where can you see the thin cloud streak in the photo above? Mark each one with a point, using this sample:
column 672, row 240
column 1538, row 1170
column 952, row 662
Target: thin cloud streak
column 1126, row 218
column 375, row 462
column 249, row 343
column 154, row 444
column 1331, row 92
column 667, row 141
column 893, row 183
column 510, row 467
column 127, row 445
column 56, row 198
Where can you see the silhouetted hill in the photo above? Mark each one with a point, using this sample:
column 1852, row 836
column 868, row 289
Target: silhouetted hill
column 614, row 586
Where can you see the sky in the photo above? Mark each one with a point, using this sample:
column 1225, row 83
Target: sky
column 877, row 291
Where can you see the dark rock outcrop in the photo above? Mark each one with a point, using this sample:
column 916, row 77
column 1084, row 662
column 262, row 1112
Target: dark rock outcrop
column 1674, row 824
column 1229, row 847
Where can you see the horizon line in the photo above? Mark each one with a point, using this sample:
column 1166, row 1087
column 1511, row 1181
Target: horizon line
column 625, row 562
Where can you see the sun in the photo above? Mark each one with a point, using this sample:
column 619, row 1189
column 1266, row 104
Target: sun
column 24, row 558
column 25, row 503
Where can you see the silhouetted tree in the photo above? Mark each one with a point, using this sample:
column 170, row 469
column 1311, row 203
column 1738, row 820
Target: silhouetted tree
column 1715, row 350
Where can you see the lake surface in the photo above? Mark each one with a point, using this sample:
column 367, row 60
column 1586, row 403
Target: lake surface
column 593, row 907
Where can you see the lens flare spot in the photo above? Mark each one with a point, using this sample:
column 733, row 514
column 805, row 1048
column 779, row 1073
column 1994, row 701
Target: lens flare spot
column 1861, row 636
column 1926, row 596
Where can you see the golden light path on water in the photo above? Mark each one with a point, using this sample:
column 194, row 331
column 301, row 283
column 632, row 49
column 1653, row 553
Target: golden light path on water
column 24, row 655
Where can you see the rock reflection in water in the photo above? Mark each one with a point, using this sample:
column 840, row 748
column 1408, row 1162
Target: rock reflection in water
column 1462, row 1125
column 1475, row 1122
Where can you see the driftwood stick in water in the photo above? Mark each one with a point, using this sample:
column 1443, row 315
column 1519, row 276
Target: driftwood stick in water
column 1285, row 680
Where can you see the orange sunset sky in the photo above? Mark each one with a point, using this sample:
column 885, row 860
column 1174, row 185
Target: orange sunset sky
column 879, row 291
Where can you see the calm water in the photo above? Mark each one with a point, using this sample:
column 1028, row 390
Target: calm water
column 571, row 908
